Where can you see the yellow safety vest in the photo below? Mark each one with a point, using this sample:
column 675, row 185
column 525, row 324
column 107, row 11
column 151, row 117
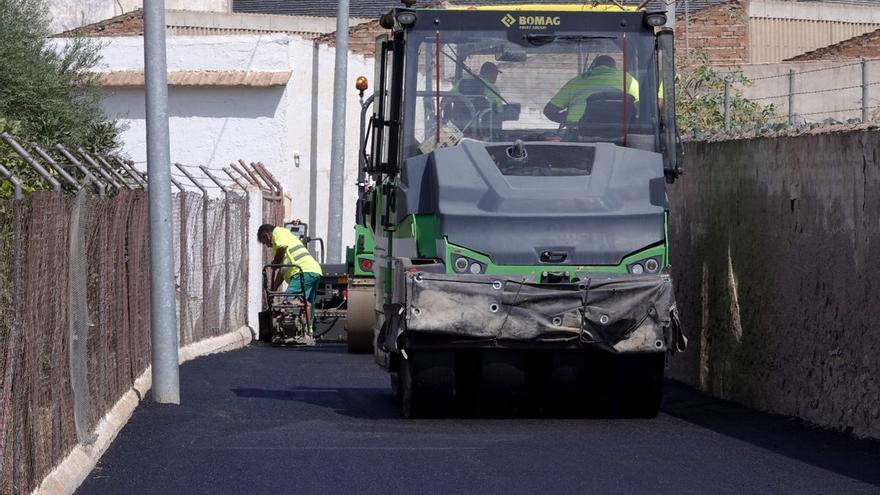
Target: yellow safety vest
column 296, row 253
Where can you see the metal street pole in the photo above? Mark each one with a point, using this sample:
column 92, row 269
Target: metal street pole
column 726, row 103
column 670, row 15
column 864, row 90
column 337, row 150
column 163, row 318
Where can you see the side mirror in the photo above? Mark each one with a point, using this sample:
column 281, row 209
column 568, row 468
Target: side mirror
column 669, row 142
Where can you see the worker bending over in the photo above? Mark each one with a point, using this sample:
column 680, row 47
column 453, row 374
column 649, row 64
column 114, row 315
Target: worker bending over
column 288, row 250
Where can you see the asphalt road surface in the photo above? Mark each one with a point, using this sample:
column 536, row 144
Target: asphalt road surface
column 268, row 420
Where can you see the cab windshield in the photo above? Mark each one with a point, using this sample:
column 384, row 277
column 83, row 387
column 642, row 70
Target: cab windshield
column 483, row 85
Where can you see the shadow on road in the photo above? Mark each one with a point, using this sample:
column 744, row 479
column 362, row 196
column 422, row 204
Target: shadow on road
column 833, row 451
column 364, row 403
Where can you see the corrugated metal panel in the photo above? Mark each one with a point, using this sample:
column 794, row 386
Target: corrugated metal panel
column 773, row 40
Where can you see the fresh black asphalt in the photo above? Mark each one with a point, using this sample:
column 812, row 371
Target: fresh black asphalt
column 278, row 421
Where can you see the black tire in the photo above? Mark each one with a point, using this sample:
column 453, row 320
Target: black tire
column 638, row 384
column 566, row 387
column 502, row 388
column 427, row 384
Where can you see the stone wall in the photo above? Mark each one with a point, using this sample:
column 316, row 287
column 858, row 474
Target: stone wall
column 775, row 244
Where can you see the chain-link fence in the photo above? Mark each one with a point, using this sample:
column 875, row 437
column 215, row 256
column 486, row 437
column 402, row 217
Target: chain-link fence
column 75, row 299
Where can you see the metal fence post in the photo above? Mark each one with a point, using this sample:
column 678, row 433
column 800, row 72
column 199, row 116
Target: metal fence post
column 226, row 285
column 107, row 177
column 226, row 250
column 16, row 184
column 235, row 179
column 253, row 177
column 864, row 90
column 53, row 183
column 242, row 173
column 101, row 188
column 264, row 172
column 790, row 96
column 726, row 104
column 183, row 247
column 205, row 203
column 131, row 172
column 105, row 171
column 56, row 167
column 116, row 174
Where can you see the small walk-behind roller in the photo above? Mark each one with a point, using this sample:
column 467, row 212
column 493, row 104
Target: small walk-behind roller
column 283, row 321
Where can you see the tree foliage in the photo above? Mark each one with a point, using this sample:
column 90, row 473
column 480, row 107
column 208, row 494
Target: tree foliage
column 47, row 91
column 700, row 98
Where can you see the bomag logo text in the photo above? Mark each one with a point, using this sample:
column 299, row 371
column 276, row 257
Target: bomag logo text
column 538, row 20
column 531, row 22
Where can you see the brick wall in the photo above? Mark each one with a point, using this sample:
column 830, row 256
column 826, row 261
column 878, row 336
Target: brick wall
column 864, row 46
column 720, row 31
column 361, row 38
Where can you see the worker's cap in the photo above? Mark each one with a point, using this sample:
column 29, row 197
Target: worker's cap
column 489, row 68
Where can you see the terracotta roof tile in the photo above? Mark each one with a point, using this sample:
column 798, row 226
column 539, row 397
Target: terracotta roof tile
column 225, row 78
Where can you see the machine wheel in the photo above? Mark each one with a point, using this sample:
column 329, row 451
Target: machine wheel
column 638, row 382
column 360, row 318
column 427, row 384
column 502, row 388
column 567, row 386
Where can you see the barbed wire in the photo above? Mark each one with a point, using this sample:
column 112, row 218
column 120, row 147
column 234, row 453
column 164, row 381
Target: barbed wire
column 857, row 109
column 811, row 92
column 809, row 71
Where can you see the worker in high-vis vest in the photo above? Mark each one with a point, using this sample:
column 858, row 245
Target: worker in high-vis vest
column 288, row 250
column 570, row 102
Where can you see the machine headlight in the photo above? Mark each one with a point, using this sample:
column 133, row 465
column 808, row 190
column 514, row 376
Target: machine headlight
column 647, row 265
column 655, row 19
column 462, row 264
column 406, row 18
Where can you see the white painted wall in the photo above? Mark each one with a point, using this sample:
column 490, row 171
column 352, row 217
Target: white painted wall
column 70, row 14
column 286, row 128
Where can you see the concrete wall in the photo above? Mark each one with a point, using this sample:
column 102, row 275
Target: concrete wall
column 775, row 245
column 288, row 128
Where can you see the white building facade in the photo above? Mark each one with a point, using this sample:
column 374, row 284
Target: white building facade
column 260, row 98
